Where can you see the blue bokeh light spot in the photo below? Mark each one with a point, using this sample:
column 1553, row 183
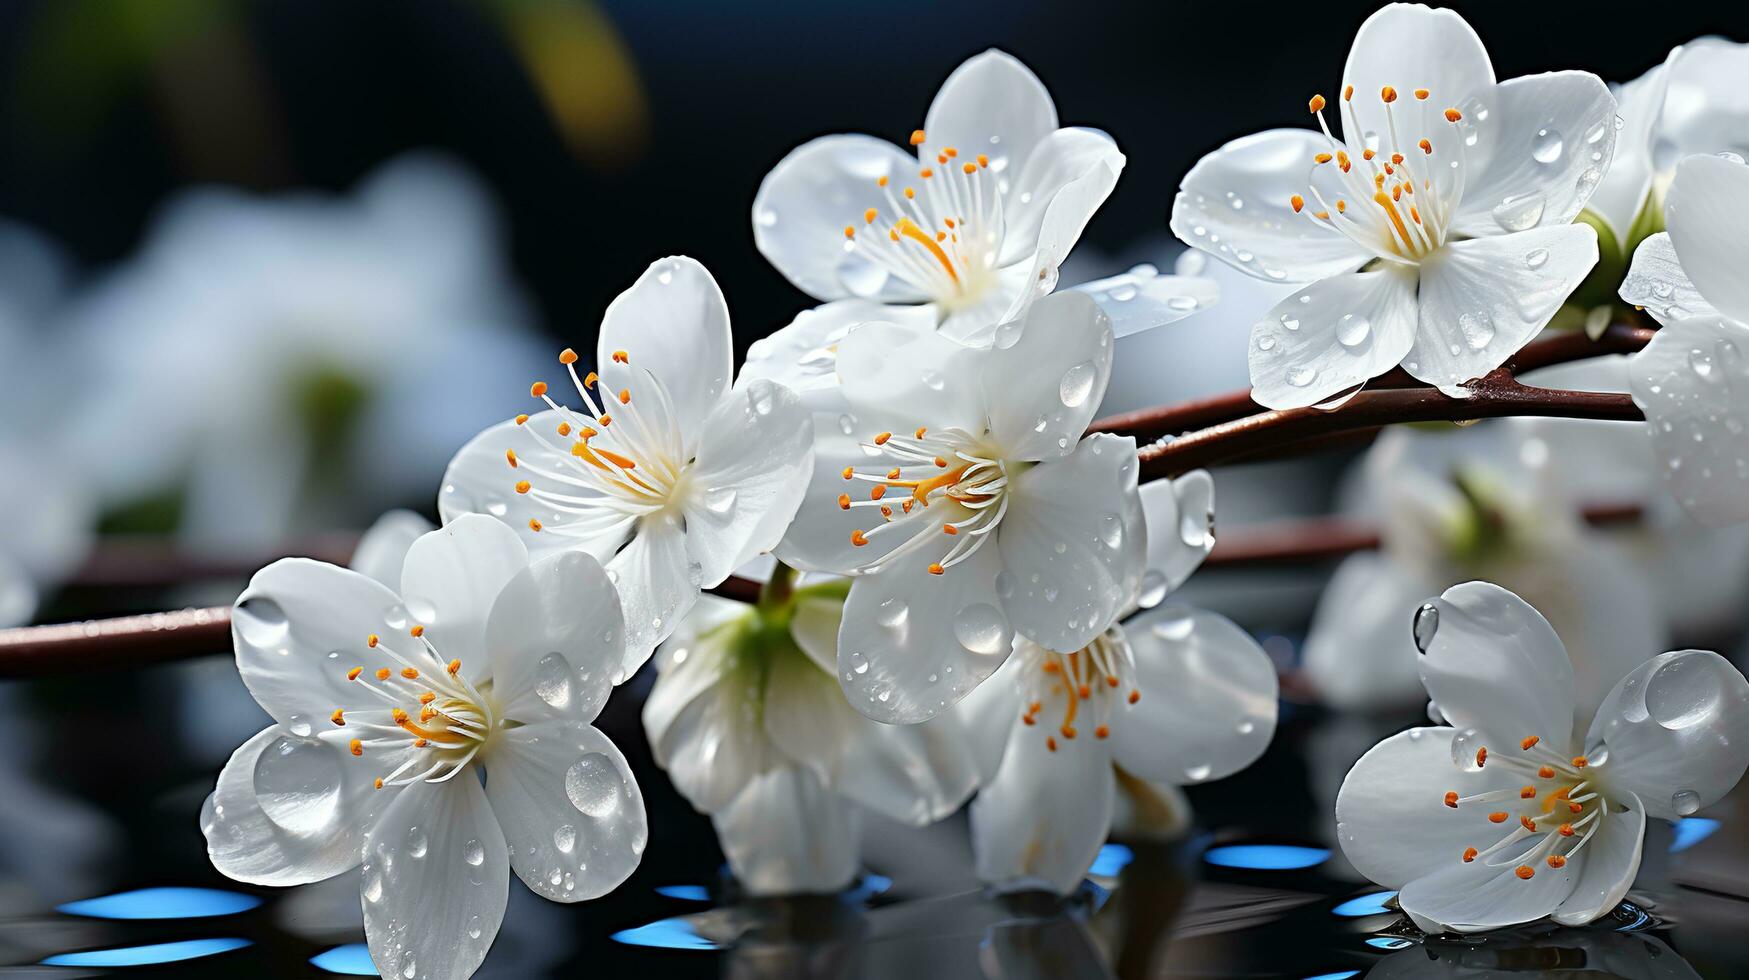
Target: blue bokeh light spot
column 1373, row 904
column 187, row 949
column 162, row 903
column 1112, row 859
column 676, row 933
column 686, row 893
column 352, row 960
column 1266, row 857
column 1691, row 831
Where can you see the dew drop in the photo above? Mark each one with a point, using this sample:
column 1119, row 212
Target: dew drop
column 1265, row 342
column 1302, row 376
column 1477, row 328
column 1182, row 304
column 297, row 782
column 719, row 500
column 565, row 838
column 847, row 424
column 1426, row 625
column 1464, row 747
column 892, row 613
column 474, row 852
column 1077, row 384
column 1685, row 802
column 1353, row 329
column 858, row 663
column 593, row 783
column 1536, row 258
column 1197, row 774
column 417, row 842
column 1701, row 363
column 1546, row 146
column 933, row 380
column 1520, row 212
column 1153, row 589
column 1288, row 322
column 979, row 628
column 552, row 680
column 1123, row 293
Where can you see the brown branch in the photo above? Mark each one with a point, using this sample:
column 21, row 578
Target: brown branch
column 1496, row 396
column 1150, row 424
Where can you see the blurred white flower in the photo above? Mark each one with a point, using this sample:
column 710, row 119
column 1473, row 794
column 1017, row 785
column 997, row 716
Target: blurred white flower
column 1480, row 502
column 968, row 233
column 1691, row 379
column 751, row 726
column 1508, row 816
column 1438, row 233
column 1697, row 101
column 51, row 513
column 482, row 660
column 669, row 476
column 271, row 360
column 959, row 490
column 1172, row 697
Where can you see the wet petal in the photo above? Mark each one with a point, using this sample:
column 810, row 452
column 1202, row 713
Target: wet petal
column 787, row 834
column 1706, row 212
column 1410, row 47
column 674, row 324
column 1044, row 387
column 382, row 550
column 1068, row 176
column 451, row 578
column 658, row 582
column 1044, row 818
column 1333, row 335
column 1612, row 861
column 994, row 105
column 1655, row 280
column 1142, row 299
column 1180, row 516
column 1688, row 382
column 557, row 639
column 753, row 463
column 1487, row 893
column 1493, row 664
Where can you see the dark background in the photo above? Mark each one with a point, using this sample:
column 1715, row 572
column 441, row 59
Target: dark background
column 107, row 107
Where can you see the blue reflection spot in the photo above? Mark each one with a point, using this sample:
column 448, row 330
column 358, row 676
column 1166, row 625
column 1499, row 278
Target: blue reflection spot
column 1373, row 904
column 147, row 955
column 1266, row 857
column 686, row 893
column 351, row 960
column 1344, row 975
column 1389, row 942
column 676, row 933
column 163, row 903
column 870, row 886
column 1691, row 831
column 1112, row 859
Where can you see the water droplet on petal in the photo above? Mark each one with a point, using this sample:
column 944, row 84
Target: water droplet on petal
column 1353, row 329
column 1077, row 384
column 1426, row 625
column 1536, row 258
column 1520, row 212
column 552, row 680
column 565, row 838
column 1477, row 328
column 979, row 628
column 892, row 613
column 297, row 782
column 1153, row 589
column 1302, row 376
column 594, row 785
column 474, row 852
column 1546, row 146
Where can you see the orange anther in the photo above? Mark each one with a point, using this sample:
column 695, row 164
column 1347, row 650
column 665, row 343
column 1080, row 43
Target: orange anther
column 1575, row 808
column 1368, row 154
column 1580, row 762
column 1566, row 830
column 870, row 215
column 1050, row 743
column 916, row 137
column 1529, row 792
column 886, row 511
column 521, row 419
column 338, row 717
column 1557, row 861
column 1527, row 824
column 567, row 356
column 1528, row 742
column 1321, row 158
column 879, row 491
column 1322, row 215
column 910, row 195
column 936, row 569
column 849, row 232
column 1110, row 681
column 356, row 746
column 1426, row 146
column 621, row 357
column 427, row 697
column 906, row 505
column 410, row 673
column 1451, row 799
column 454, row 668
column 605, row 419
column 1135, row 696
column 1546, row 772
column 1470, row 854
column 950, row 151
column 1316, row 103
column 1102, row 732
column 383, row 673
column 417, row 630
column 1068, row 731
column 1498, row 816
column 881, row 181
column 523, row 486
column 1526, row 872
column 420, row 743
column 983, row 161
column 881, row 439
column 1452, row 115
column 1028, row 719
column 1388, row 94
column 625, row 396
column 926, row 173
column 941, row 158
column 858, row 538
column 949, row 529
column 1422, row 93
column 849, row 472
column 1397, row 158
column 352, row 674
column 844, row 501
column 537, row 389
column 1296, row 202
column 379, row 782
column 510, row 457
column 970, row 168
column 1481, row 757
column 590, row 379
column 1341, row 206
column 1348, row 93
column 564, row 428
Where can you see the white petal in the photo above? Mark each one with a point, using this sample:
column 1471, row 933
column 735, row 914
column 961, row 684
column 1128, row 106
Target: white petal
column 312, row 828
column 897, row 376
column 480, row 480
column 1484, row 298
column 1621, row 195
column 1333, row 335
column 436, row 881
column 1492, row 663
column 1410, row 47
column 1073, row 544
column 753, row 464
column 803, row 355
column 1655, row 280
column 1612, row 861
column 1540, row 153
column 452, row 577
column 689, row 663
column 1359, row 652
column 556, row 639
column 987, row 716
column 1180, row 517
column 701, row 731
column 382, row 550
column 1486, row 893
column 1143, row 810
column 1235, row 202
column 1142, row 299
column 1044, row 818
column 787, row 834
column 1391, row 816
column 570, row 807
column 1705, row 215
column 294, row 615
column 806, row 202
column 658, row 583
column 673, row 323
column 1687, row 382
column 1208, row 698
column 1067, row 177
column 912, row 643
column 994, row 105
column 1043, row 388
column 814, row 626
column 1676, row 731
column 818, row 539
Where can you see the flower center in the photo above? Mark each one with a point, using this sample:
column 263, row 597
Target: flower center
column 1390, row 198
column 947, row 470
column 624, row 462
column 944, row 239
column 1087, row 685
column 1547, row 821
column 430, row 712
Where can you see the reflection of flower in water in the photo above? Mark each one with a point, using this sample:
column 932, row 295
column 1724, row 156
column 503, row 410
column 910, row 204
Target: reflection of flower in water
column 1539, row 952
column 298, row 360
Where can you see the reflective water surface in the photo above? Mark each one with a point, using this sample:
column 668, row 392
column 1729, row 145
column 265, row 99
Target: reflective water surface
column 103, row 871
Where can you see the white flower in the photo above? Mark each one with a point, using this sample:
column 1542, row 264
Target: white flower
column 1507, row 816
column 336, row 319
column 748, row 721
column 385, row 706
column 1437, row 234
column 1173, row 697
column 966, row 234
column 1692, row 103
column 1691, row 380
column 958, row 489
column 1480, row 502
column 668, row 475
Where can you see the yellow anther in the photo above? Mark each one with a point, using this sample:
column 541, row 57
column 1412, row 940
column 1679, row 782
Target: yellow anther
column 916, row 137
column 537, row 389
column 625, row 396
column 356, row 746
column 1580, row 762
column 881, row 181
column 564, row 428
column 427, row 697
column 849, row 232
column 379, row 782
column 870, row 215
column 510, row 456
column 427, row 714
column 372, row 641
column 621, row 357
column 521, row 419
column 970, row 168
column 910, row 193
column 567, row 357
column 1546, row 772
column 352, row 674
column 410, row 673
column 983, row 161
column 926, row 173
column 590, row 379
column 1322, row 158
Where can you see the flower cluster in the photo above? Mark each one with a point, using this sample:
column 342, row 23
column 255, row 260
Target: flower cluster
column 963, row 576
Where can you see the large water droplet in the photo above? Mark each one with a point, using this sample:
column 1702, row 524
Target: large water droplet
column 565, row 838
column 297, row 782
column 1546, row 146
column 1153, row 589
column 417, row 842
column 552, row 680
column 261, row 622
column 1265, row 342
column 979, row 628
column 1520, row 212
column 1682, row 692
column 1353, row 329
column 892, row 613
column 593, row 783
column 1426, row 625
column 1685, row 802
column 1477, row 328
column 474, row 852
column 1465, row 746
column 1182, row 304
column 1077, row 384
